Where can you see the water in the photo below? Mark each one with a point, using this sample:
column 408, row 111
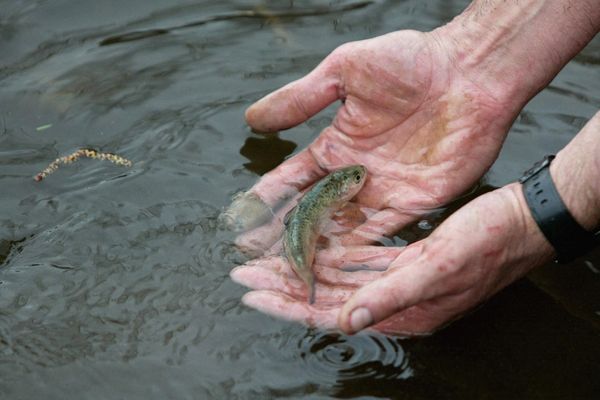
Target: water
column 114, row 281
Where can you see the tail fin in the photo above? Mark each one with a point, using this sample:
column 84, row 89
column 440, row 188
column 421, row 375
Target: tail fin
column 311, row 292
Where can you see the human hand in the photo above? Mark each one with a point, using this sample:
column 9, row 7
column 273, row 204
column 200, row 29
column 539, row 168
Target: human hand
column 426, row 120
column 480, row 249
column 424, row 131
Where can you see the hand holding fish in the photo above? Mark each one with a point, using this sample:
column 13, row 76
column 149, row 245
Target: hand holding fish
column 424, row 132
column 413, row 290
column 426, row 114
column 478, row 250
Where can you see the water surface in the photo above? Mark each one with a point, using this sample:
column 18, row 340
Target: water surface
column 114, row 281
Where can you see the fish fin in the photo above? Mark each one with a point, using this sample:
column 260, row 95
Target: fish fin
column 311, row 293
column 288, row 215
column 284, row 248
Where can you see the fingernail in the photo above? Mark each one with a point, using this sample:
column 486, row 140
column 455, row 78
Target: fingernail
column 360, row 318
column 235, row 273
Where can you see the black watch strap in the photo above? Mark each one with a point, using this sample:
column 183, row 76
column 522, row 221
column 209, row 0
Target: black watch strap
column 568, row 238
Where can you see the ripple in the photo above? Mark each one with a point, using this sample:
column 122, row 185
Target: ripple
column 340, row 358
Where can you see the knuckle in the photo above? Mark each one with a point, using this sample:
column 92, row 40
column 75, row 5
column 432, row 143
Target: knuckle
column 341, row 53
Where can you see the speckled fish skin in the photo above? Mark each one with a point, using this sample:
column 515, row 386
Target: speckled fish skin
column 303, row 223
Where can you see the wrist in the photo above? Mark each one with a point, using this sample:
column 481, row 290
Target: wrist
column 575, row 172
column 531, row 243
column 512, row 49
column 561, row 196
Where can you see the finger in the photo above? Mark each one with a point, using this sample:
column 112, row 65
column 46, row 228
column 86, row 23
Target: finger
column 337, row 277
column 411, row 322
column 289, row 178
column 381, row 224
column 246, row 211
column 288, row 308
column 276, row 263
column 297, row 101
column 425, row 318
column 415, row 321
column 400, row 288
column 255, row 207
column 353, row 258
column 256, row 241
column 278, row 267
column 268, row 279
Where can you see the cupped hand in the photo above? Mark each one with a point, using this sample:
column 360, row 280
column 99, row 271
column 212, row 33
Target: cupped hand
column 424, row 131
column 480, row 249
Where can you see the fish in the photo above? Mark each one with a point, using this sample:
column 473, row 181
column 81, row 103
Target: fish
column 305, row 221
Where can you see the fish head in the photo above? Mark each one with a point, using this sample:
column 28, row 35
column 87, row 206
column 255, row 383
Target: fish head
column 351, row 179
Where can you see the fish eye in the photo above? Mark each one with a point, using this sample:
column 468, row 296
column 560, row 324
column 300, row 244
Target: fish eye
column 357, row 177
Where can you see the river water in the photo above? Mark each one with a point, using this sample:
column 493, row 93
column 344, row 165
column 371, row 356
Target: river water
column 114, row 280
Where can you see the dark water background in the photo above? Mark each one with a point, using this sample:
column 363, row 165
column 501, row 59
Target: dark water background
column 114, row 281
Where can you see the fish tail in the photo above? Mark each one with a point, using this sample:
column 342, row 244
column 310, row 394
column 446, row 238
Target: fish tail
column 311, row 293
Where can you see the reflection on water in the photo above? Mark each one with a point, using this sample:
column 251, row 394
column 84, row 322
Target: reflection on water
column 265, row 153
column 114, row 282
column 260, row 12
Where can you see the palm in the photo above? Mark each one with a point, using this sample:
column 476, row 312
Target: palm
column 424, row 133
column 423, row 139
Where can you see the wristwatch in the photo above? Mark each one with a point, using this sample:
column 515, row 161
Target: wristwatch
column 569, row 239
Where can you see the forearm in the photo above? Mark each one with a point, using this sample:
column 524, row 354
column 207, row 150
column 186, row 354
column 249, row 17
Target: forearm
column 513, row 49
column 575, row 172
column 576, row 175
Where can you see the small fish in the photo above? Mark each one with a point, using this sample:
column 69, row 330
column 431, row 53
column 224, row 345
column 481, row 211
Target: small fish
column 303, row 222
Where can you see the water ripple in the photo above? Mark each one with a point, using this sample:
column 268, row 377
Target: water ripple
column 335, row 357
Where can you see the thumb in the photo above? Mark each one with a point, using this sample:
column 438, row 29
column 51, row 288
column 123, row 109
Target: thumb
column 397, row 290
column 297, row 101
